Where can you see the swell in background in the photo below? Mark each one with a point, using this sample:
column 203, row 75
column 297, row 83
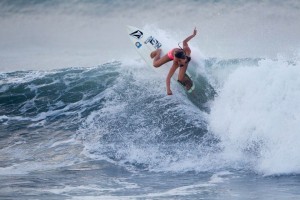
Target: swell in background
column 52, row 34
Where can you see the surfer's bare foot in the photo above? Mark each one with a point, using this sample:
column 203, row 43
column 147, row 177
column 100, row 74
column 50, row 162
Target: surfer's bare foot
column 155, row 53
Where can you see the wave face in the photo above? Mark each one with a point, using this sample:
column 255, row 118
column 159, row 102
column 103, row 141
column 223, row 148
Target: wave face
column 115, row 109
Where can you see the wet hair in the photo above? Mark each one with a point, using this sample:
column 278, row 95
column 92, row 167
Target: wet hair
column 180, row 54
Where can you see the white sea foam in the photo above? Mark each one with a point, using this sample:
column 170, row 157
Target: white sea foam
column 256, row 116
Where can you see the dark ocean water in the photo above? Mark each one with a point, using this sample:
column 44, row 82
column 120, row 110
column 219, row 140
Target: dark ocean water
column 109, row 131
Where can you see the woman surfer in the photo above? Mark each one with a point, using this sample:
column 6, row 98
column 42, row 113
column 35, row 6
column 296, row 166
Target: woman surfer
column 181, row 58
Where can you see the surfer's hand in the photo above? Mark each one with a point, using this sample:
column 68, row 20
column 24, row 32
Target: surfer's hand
column 195, row 31
column 169, row 92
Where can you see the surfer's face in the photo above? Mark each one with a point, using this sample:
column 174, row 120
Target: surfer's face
column 181, row 61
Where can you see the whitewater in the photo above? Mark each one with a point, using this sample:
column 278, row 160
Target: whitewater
column 83, row 117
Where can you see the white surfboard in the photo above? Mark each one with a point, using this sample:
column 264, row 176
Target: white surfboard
column 145, row 43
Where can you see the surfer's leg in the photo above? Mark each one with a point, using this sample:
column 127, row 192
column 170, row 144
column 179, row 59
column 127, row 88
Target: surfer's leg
column 160, row 61
column 184, row 79
column 181, row 73
column 155, row 53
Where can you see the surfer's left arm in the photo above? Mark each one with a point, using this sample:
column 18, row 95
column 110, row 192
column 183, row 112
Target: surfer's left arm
column 186, row 40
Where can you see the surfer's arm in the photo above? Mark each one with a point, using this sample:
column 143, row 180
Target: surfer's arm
column 168, row 80
column 186, row 40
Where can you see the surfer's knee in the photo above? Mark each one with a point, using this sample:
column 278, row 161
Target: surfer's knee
column 155, row 54
column 155, row 64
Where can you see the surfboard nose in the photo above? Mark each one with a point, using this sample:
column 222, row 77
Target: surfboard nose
column 131, row 28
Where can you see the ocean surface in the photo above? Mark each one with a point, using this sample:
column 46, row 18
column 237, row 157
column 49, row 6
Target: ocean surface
column 83, row 117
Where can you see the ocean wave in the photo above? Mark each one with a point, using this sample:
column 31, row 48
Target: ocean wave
column 255, row 115
column 121, row 114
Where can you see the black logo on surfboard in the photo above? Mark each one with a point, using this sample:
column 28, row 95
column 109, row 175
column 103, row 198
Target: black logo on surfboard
column 138, row 45
column 153, row 41
column 137, row 34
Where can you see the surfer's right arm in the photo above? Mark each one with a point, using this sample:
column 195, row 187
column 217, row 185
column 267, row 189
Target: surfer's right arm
column 186, row 40
column 186, row 47
column 170, row 74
